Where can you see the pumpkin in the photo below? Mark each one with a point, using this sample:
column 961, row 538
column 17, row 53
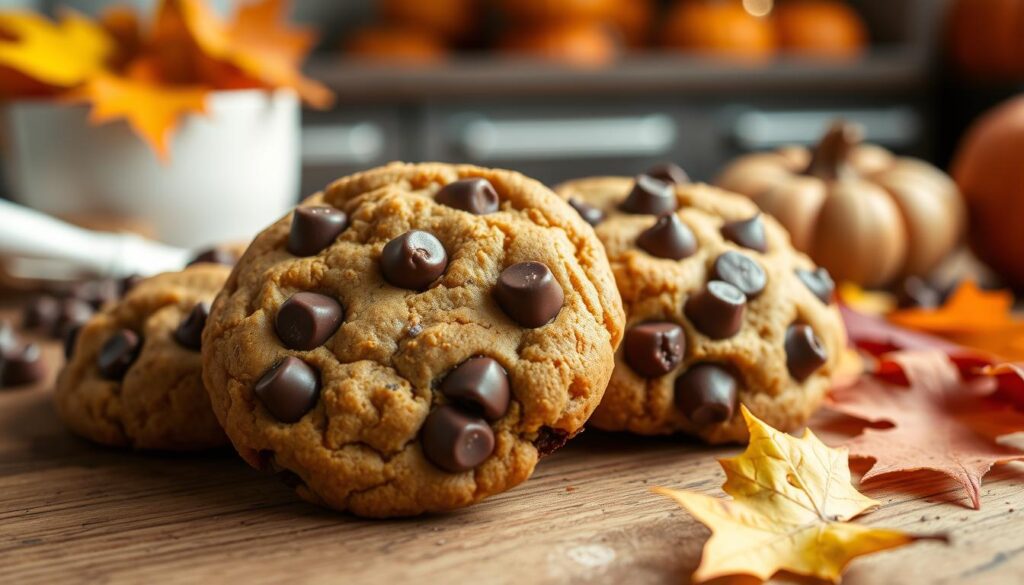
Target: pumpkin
column 451, row 20
column 989, row 168
column 396, row 45
column 820, row 28
column 538, row 12
column 986, row 38
column 861, row 212
column 719, row 28
column 633, row 18
column 580, row 44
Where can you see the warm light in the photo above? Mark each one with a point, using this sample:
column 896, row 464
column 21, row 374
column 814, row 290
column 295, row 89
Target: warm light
column 758, row 7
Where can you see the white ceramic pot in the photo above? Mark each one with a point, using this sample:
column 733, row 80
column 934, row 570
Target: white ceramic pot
column 231, row 172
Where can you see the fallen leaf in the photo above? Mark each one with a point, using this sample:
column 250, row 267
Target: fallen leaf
column 791, row 503
column 939, row 421
column 62, row 54
column 1010, row 381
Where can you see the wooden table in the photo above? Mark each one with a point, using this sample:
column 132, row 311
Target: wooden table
column 72, row 512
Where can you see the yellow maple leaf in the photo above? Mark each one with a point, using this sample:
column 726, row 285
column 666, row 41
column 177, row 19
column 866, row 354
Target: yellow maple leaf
column 791, row 502
column 62, row 54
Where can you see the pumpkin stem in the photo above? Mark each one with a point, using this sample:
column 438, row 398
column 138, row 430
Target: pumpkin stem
column 830, row 159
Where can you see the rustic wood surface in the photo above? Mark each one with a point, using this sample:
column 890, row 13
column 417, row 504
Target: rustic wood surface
column 72, row 512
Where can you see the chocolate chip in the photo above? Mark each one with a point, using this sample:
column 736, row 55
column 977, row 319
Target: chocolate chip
column 804, row 352
column 315, row 228
column 307, row 320
column 588, row 212
column 668, row 238
column 455, row 441
column 650, row 196
column 818, row 282
column 215, row 255
column 476, row 196
column 478, row 384
column 748, row 233
column 413, row 260
column 529, row 293
column 22, row 366
column 654, row 349
column 190, row 331
column 717, row 309
column 707, row 394
column 669, row 173
column 550, row 440
column 118, row 354
column 70, row 339
column 742, row 272
column 97, row 292
column 289, row 390
column 127, row 283
column 73, row 313
column 916, row 293
column 41, row 312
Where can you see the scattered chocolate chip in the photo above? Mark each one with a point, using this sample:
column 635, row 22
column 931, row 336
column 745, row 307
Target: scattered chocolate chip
column 455, row 441
column 315, row 228
column 70, row 339
column 916, row 293
column 742, row 272
column 717, row 309
column 127, row 283
column 707, row 394
column 529, row 293
column 413, row 260
column 476, row 196
column 478, row 384
column 289, row 390
column 41, row 313
column 804, row 352
column 669, row 173
column 818, row 282
column 22, row 366
column 650, row 196
column 307, row 320
column 668, row 238
column 118, row 354
column 550, row 440
column 654, row 349
column 748, row 233
column 190, row 331
column 215, row 255
column 73, row 313
column 97, row 292
column 588, row 212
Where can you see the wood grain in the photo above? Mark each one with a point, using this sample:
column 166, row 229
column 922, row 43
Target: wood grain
column 72, row 512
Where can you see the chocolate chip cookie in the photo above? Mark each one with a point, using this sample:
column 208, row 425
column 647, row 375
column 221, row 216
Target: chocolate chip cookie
column 414, row 338
column 721, row 309
column 134, row 371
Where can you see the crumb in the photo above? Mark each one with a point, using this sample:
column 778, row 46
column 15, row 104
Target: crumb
column 570, row 488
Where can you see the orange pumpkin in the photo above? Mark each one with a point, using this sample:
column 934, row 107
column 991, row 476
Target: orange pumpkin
column 396, row 45
column 633, row 18
column 556, row 11
column 986, row 38
column 989, row 168
column 449, row 19
column 580, row 44
column 858, row 210
column 820, row 28
column 720, row 28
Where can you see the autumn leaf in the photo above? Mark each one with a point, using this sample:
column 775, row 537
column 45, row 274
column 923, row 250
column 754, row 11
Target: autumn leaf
column 61, row 54
column 939, row 422
column 791, row 503
column 1010, row 380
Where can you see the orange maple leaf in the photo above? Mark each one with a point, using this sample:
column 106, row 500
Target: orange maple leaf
column 59, row 54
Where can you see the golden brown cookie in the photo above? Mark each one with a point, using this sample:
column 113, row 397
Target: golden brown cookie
column 414, row 338
column 720, row 310
column 134, row 373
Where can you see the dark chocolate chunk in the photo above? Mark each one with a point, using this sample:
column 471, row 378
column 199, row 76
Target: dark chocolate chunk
column 668, row 238
column 742, row 272
column 315, row 228
column 22, row 366
column 307, row 320
column 413, row 260
column 289, row 390
column 190, row 331
column 707, row 394
column 480, row 385
column 588, row 212
column 97, row 292
column 669, row 173
column 118, row 354
column 73, row 313
column 70, row 339
column 818, row 282
column 476, row 196
column 455, row 441
column 42, row 312
column 748, row 233
column 529, row 294
column 654, row 349
column 804, row 352
column 127, row 283
column 717, row 309
column 916, row 293
column 215, row 255
column 550, row 440
column 650, row 196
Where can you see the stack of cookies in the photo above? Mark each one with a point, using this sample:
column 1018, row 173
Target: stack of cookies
column 416, row 337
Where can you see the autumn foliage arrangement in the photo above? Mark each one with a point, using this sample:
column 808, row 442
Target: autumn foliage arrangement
column 152, row 74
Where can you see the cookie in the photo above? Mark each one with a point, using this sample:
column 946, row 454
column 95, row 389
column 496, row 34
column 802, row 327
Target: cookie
column 414, row 338
column 134, row 371
column 721, row 310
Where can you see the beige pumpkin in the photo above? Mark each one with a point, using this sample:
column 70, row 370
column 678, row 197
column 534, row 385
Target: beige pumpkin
column 863, row 213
